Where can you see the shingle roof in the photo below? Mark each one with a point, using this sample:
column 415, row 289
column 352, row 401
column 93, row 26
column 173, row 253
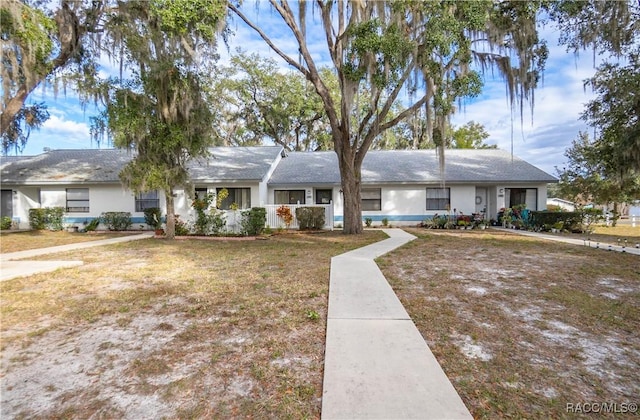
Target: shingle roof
column 235, row 163
column 410, row 166
column 66, row 166
column 254, row 163
column 104, row 165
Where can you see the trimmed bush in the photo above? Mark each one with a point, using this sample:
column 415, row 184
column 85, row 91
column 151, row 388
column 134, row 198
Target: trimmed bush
column 46, row 218
column 5, row 223
column 117, row 220
column 545, row 220
column 253, row 221
column 37, row 219
column 54, row 217
column 310, row 217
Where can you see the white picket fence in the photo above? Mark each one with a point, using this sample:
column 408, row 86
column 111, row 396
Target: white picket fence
column 275, row 222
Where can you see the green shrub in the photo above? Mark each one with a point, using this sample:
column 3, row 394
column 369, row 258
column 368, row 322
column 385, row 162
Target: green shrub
column 116, row 220
column 310, row 217
column 92, row 225
column 254, row 220
column 153, row 217
column 181, row 227
column 54, row 217
column 545, row 220
column 368, row 221
column 37, row 219
column 46, row 218
column 5, row 223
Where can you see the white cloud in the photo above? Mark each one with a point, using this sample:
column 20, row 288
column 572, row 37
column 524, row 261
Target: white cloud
column 58, row 132
column 59, row 126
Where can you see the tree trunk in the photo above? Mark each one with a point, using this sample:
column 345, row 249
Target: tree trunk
column 352, row 207
column 170, row 232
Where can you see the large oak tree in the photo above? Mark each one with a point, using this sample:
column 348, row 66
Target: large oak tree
column 415, row 52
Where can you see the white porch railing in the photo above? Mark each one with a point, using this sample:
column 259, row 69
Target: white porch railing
column 275, row 222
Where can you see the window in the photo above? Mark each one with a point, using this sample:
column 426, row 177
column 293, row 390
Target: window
column 438, row 198
column 519, row 196
column 371, row 199
column 78, row 200
column 147, row 200
column 324, row 196
column 289, row 197
column 240, row 196
column 201, row 193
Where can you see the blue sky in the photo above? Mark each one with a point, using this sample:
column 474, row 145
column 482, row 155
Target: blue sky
column 541, row 139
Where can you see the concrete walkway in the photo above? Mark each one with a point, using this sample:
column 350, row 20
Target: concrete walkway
column 630, row 248
column 9, row 268
column 377, row 364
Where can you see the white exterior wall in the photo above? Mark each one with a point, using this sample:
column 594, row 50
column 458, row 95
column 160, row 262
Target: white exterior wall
column 542, row 196
column 463, row 199
column 24, row 198
column 102, row 198
column 401, row 204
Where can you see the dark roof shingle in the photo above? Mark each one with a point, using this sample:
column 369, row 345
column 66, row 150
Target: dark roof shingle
column 410, row 166
column 104, row 165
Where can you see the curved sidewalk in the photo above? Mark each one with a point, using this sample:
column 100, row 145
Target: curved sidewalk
column 10, row 269
column 377, row 364
column 630, row 249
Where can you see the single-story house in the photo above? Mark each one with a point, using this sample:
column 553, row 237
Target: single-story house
column 403, row 186
column 565, row 205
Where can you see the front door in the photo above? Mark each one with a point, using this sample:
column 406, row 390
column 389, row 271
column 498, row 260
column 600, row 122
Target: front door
column 481, row 200
column 6, row 204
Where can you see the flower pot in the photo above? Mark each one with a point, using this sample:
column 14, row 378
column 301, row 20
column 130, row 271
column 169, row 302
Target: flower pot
column 159, row 232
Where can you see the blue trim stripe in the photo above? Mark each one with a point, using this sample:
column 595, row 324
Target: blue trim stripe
column 82, row 220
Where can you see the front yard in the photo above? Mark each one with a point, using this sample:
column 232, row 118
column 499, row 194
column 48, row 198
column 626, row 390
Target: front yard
column 184, row 329
column 33, row 239
column 216, row 329
column 524, row 328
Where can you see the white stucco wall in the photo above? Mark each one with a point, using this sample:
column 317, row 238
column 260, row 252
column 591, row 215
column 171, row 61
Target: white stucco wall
column 400, row 204
column 463, row 199
column 24, row 199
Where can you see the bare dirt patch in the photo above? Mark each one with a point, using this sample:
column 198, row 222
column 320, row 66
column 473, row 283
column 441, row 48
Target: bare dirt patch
column 188, row 329
column 524, row 327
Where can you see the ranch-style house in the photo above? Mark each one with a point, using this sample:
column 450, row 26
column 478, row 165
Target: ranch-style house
column 404, row 187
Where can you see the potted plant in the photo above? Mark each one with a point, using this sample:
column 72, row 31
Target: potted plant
column 506, row 218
